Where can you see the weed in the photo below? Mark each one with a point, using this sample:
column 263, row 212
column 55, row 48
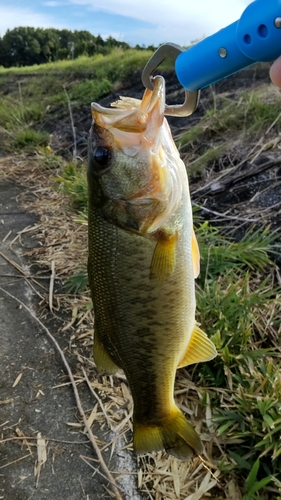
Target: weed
column 191, row 135
column 18, row 119
column 78, row 282
column 252, row 485
column 238, row 305
column 90, row 90
column 31, row 138
column 72, row 181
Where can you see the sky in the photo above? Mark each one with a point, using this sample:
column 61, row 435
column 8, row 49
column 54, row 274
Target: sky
column 146, row 22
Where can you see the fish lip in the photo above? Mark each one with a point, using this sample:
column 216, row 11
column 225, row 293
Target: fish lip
column 107, row 111
column 143, row 111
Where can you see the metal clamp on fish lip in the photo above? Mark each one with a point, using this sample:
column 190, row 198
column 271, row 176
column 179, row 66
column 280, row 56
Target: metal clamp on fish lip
column 170, row 51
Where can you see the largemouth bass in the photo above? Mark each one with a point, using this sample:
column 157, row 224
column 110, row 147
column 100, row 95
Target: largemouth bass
column 143, row 259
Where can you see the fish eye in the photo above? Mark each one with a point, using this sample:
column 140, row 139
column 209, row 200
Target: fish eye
column 102, row 157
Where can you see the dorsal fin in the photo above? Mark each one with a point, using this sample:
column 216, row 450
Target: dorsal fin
column 195, row 255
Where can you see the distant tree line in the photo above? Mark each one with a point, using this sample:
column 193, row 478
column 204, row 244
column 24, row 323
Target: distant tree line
column 28, row 46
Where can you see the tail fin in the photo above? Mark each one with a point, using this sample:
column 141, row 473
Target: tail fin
column 173, row 433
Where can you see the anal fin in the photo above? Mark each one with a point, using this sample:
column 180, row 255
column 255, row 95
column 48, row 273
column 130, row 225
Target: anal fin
column 200, row 348
column 102, row 359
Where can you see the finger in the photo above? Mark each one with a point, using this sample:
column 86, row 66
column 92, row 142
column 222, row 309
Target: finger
column 275, row 72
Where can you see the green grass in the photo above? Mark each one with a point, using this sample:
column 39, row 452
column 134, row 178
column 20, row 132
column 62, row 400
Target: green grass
column 90, row 90
column 30, row 138
column 20, row 118
column 72, row 181
column 118, row 58
column 238, row 304
column 14, row 113
column 211, row 154
column 77, row 283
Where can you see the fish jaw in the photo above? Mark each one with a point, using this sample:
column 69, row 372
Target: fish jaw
column 135, row 123
column 133, row 115
column 146, row 168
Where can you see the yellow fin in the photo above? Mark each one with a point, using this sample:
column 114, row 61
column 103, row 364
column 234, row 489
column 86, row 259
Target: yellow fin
column 172, row 433
column 200, row 348
column 195, row 255
column 102, row 360
column 164, row 257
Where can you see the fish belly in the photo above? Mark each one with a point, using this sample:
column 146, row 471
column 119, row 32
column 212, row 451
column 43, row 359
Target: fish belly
column 143, row 324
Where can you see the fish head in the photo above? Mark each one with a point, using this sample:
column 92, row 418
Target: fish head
column 135, row 174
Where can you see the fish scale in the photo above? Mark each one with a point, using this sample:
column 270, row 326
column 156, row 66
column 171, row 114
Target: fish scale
column 131, row 327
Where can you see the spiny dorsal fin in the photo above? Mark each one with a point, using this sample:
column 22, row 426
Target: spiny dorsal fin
column 164, row 257
column 200, row 348
column 195, row 255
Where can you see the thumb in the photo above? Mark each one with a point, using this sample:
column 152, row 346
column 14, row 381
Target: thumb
column 275, row 72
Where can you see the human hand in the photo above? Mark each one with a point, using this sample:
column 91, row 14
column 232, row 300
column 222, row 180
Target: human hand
column 275, row 72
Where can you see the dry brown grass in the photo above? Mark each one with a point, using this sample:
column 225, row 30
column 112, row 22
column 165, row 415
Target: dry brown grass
column 63, row 242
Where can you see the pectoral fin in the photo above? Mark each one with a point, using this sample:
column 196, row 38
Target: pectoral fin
column 164, row 256
column 195, row 255
column 200, row 348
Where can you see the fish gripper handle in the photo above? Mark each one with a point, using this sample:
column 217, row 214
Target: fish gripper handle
column 256, row 36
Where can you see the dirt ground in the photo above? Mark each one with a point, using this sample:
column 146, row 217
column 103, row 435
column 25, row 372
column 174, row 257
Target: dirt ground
column 36, row 397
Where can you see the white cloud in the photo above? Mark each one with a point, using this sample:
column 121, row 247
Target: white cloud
column 178, row 21
column 53, row 4
column 12, row 17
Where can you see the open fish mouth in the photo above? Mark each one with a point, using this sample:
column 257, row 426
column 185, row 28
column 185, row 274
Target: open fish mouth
column 133, row 115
